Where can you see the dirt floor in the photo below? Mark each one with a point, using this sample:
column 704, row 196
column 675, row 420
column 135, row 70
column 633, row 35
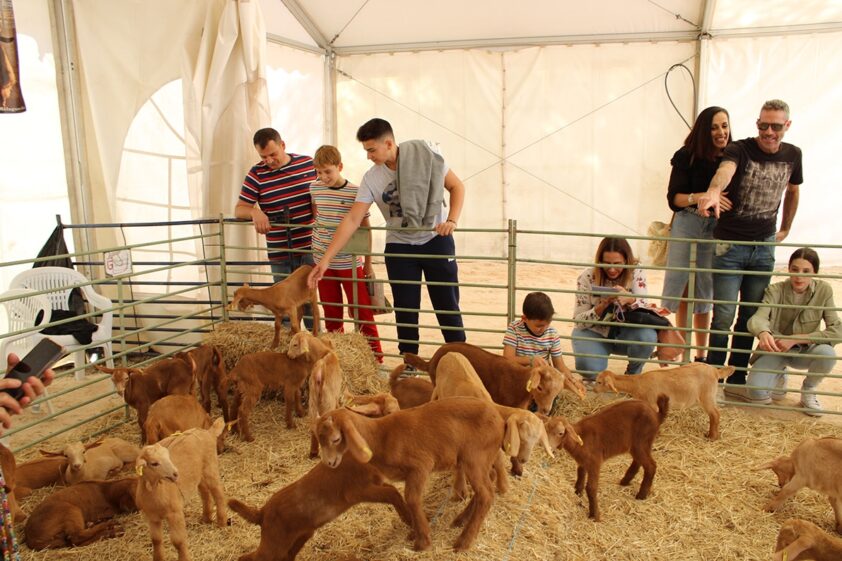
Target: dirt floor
column 706, row 502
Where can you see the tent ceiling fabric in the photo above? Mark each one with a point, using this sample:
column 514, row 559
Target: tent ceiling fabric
column 358, row 26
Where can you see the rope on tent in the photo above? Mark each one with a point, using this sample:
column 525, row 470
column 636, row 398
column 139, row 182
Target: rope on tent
column 338, row 33
column 677, row 16
column 667, row 89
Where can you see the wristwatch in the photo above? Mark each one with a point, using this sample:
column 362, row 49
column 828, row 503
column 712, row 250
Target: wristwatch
column 691, row 199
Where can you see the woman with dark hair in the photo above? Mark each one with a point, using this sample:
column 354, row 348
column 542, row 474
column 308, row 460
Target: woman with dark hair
column 609, row 287
column 788, row 326
column 693, row 166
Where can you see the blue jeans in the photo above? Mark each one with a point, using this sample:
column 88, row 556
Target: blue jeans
column 766, row 370
column 280, row 271
column 732, row 284
column 590, row 366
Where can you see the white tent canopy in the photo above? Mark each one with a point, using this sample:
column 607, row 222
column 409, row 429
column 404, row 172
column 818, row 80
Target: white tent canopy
column 556, row 113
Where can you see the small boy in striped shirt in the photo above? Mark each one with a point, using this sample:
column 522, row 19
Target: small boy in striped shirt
column 332, row 197
column 531, row 340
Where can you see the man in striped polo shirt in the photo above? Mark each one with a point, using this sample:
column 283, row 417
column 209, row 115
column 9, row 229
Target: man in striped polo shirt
column 277, row 190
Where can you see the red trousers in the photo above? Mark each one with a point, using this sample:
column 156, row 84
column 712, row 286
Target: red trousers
column 330, row 293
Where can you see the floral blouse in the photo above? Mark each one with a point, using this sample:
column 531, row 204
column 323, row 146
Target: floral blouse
column 584, row 313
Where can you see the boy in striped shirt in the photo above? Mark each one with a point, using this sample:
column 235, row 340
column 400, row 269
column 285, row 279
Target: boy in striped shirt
column 332, row 197
column 531, row 340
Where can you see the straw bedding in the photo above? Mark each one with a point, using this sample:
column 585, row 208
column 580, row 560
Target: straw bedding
column 706, row 502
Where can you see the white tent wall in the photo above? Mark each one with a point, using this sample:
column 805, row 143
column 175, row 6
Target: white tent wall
column 585, row 133
column 803, row 70
column 453, row 98
column 33, row 185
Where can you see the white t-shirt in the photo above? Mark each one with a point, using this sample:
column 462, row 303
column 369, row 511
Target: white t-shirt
column 379, row 186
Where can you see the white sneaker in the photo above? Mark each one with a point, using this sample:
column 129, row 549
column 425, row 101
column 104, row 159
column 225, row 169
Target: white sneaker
column 780, row 393
column 811, row 405
column 744, row 394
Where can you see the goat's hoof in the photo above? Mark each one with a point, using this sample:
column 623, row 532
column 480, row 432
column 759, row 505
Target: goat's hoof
column 770, row 507
column 641, row 496
column 625, row 483
column 460, row 545
column 712, row 436
column 422, row 544
column 517, row 472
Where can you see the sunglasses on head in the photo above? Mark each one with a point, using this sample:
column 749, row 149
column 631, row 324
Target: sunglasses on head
column 777, row 127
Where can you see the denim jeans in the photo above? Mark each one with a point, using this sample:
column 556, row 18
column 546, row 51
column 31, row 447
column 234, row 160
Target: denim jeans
column 280, row 270
column 765, row 372
column 590, row 366
column 732, row 284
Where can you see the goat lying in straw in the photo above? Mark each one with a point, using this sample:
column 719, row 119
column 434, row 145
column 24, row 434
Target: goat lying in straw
column 410, row 444
column 686, row 386
column 801, row 540
column 95, row 460
column 285, row 298
column 815, row 463
column 80, row 514
column 625, row 426
column 292, row 515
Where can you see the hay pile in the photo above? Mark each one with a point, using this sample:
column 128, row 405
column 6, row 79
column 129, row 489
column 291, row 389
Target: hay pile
column 359, row 367
column 706, row 502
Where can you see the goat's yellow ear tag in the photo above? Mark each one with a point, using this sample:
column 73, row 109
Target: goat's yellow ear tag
column 508, row 448
column 228, row 425
column 368, row 452
column 529, row 385
column 139, row 470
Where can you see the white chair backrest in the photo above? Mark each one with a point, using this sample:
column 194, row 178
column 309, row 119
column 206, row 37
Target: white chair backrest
column 58, row 280
column 26, row 310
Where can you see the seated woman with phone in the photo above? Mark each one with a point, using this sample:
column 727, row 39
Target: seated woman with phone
column 604, row 293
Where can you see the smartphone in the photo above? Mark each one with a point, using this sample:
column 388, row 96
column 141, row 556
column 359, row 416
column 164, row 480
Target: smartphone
column 36, row 361
column 604, row 289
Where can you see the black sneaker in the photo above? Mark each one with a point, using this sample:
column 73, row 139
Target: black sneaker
column 701, row 359
column 409, row 371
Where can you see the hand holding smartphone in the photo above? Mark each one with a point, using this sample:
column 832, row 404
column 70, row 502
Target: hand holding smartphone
column 35, row 363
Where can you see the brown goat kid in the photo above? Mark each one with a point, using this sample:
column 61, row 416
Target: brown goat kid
column 7, row 462
column 80, row 514
column 815, row 463
column 325, row 385
column 210, row 373
column 622, row 427
column 178, row 413
column 285, row 298
column 410, row 392
column 292, row 515
column 140, row 388
column 38, row 473
column 271, row 370
column 508, row 383
column 443, row 433
column 95, row 460
column 686, row 386
column 801, row 540
column 376, row 405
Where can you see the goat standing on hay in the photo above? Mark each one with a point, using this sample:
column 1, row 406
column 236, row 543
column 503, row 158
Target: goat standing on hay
column 171, row 471
column 626, row 426
column 508, row 382
column 410, row 444
column 210, row 373
column 292, row 515
column 141, row 387
column 801, row 540
column 285, row 298
column 686, row 386
column 815, row 463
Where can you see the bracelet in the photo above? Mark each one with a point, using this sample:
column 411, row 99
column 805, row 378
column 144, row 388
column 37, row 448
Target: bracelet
column 449, row 220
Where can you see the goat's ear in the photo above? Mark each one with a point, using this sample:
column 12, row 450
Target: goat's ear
column 49, row 454
column 90, row 445
column 771, row 464
column 369, row 409
column 305, row 345
column 218, row 426
column 534, row 380
column 391, row 405
column 357, row 445
column 511, row 438
column 245, row 285
column 328, row 343
column 545, row 439
column 571, row 432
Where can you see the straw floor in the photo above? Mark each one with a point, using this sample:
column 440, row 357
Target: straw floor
column 706, row 502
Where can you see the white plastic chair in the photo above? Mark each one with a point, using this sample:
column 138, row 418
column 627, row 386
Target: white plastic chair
column 27, row 309
column 59, row 281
